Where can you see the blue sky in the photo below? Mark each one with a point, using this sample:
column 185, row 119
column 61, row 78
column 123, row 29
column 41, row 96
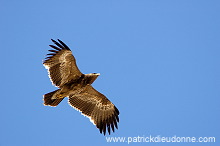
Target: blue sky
column 159, row 63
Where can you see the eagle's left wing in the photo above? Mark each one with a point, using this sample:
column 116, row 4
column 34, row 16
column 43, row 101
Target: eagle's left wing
column 61, row 64
column 97, row 107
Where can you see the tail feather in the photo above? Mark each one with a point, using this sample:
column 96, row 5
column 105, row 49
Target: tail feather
column 51, row 102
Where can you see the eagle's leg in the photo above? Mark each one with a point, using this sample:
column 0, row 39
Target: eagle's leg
column 63, row 92
column 51, row 100
column 61, row 95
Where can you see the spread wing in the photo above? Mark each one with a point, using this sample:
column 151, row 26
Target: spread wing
column 61, row 64
column 97, row 107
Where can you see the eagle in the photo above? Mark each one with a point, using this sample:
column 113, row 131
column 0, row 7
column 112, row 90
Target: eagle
column 64, row 74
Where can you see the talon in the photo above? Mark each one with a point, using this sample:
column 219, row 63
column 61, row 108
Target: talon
column 59, row 96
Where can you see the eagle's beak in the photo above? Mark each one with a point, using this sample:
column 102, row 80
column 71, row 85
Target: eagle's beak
column 98, row 74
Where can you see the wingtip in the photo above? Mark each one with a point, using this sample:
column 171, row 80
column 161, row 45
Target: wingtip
column 63, row 44
column 60, row 44
column 53, row 40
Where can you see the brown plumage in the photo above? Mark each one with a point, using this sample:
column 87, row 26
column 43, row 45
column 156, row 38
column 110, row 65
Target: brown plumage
column 64, row 74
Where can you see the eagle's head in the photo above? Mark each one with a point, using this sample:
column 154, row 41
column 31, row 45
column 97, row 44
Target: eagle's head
column 97, row 74
column 91, row 77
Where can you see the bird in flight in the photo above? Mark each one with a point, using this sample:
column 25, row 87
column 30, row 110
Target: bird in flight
column 65, row 75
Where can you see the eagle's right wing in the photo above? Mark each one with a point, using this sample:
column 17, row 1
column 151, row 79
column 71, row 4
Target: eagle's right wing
column 97, row 107
column 61, row 64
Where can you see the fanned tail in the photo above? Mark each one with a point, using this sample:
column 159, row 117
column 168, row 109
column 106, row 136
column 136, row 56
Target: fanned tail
column 51, row 102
